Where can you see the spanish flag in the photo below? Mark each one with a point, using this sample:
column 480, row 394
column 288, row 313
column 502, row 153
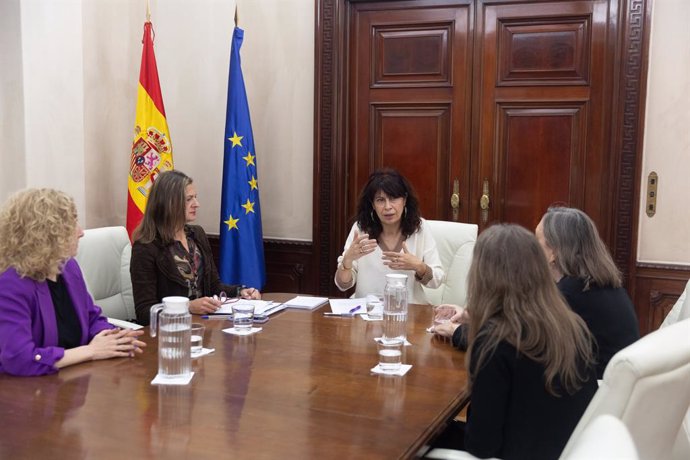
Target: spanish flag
column 151, row 148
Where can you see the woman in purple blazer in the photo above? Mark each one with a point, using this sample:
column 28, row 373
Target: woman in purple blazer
column 47, row 318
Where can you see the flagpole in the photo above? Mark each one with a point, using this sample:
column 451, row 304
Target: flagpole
column 148, row 11
column 237, row 23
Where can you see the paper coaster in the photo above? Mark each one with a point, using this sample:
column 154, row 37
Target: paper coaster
column 380, row 339
column 203, row 352
column 158, row 380
column 231, row 330
column 365, row 317
column 402, row 371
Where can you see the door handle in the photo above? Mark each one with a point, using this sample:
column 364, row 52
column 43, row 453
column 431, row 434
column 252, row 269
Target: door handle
column 455, row 199
column 485, row 200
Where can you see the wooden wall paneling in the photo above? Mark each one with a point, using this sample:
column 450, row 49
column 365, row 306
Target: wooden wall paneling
column 630, row 85
column 657, row 287
column 329, row 160
column 289, row 265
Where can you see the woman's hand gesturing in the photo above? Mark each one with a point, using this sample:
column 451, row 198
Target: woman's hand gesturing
column 360, row 247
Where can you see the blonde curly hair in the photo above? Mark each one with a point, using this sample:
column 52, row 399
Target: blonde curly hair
column 37, row 231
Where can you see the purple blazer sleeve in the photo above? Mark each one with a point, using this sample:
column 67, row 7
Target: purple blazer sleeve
column 28, row 328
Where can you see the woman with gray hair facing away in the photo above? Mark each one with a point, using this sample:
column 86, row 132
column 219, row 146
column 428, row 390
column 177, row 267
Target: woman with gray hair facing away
column 589, row 280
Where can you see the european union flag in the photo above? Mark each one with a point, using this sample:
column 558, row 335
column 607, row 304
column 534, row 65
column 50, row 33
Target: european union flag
column 241, row 240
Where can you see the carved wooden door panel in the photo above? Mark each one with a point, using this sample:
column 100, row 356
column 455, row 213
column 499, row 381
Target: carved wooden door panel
column 542, row 98
column 409, row 100
column 511, row 100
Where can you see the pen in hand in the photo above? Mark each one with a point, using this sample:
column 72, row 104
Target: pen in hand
column 248, row 293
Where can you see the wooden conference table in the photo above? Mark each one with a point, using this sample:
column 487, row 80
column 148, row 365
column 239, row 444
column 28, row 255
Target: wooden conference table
column 301, row 388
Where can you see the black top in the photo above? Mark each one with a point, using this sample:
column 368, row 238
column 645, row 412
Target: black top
column 512, row 416
column 69, row 329
column 609, row 314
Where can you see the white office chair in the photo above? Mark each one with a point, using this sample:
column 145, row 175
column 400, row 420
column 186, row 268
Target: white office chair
column 680, row 312
column 455, row 242
column 104, row 255
column 605, row 438
column 647, row 386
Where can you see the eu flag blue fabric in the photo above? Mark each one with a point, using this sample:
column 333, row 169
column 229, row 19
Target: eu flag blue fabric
column 241, row 239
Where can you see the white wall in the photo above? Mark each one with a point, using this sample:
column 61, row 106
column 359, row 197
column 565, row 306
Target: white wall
column 665, row 238
column 68, row 90
column 52, row 57
column 68, row 79
column 13, row 169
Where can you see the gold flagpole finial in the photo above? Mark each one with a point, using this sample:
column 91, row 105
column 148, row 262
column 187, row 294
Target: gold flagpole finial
column 148, row 11
column 237, row 21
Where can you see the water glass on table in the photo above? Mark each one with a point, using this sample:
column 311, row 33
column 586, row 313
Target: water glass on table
column 242, row 317
column 198, row 330
column 390, row 354
column 443, row 314
column 374, row 307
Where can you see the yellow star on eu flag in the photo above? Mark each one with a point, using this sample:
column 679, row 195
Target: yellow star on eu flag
column 253, row 184
column 248, row 206
column 232, row 223
column 249, row 158
column 235, row 139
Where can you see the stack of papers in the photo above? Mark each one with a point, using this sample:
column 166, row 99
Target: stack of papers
column 305, row 302
column 261, row 307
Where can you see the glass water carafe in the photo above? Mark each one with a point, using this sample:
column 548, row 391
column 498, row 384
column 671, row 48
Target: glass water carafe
column 173, row 326
column 395, row 307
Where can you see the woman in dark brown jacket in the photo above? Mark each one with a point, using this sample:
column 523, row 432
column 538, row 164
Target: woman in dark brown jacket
column 170, row 257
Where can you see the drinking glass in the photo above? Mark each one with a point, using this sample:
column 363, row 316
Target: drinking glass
column 198, row 330
column 390, row 354
column 242, row 317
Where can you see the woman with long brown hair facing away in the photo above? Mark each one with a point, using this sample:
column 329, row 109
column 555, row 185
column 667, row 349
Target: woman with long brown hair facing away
column 530, row 366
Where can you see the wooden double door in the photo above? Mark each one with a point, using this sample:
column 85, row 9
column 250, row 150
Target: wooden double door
column 510, row 102
column 493, row 109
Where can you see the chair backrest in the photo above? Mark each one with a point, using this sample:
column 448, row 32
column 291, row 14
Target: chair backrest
column 104, row 255
column 647, row 386
column 455, row 242
column 680, row 312
column 606, row 437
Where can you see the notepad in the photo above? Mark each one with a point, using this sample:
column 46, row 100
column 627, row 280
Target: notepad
column 346, row 305
column 306, row 303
